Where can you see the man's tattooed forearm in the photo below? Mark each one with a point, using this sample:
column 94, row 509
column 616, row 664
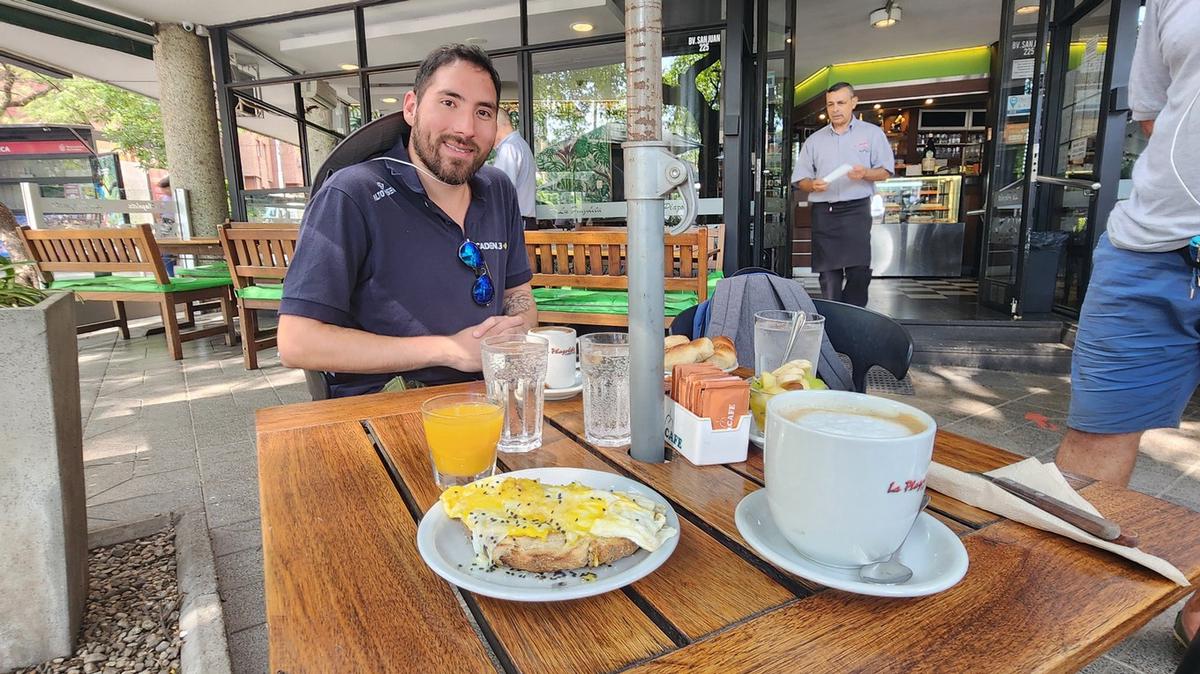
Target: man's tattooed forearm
column 518, row 302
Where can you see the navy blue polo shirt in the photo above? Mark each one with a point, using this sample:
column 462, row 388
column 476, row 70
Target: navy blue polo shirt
column 376, row 254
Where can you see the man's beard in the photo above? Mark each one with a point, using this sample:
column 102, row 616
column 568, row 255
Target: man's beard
column 447, row 170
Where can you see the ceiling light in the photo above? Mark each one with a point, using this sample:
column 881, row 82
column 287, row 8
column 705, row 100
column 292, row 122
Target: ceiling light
column 389, row 99
column 821, row 116
column 477, row 41
column 1028, row 6
column 928, row 101
column 878, row 106
column 348, row 66
column 888, row 15
column 582, row 27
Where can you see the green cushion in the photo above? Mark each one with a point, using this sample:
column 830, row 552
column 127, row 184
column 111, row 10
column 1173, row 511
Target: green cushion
column 138, row 284
column 262, row 291
column 583, row 301
column 603, row 301
column 214, row 270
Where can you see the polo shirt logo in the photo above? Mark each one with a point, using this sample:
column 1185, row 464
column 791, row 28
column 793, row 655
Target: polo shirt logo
column 384, row 191
column 492, row 245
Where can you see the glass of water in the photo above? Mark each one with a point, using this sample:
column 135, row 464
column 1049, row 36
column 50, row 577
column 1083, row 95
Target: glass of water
column 773, row 329
column 604, row 360
column 514, row 369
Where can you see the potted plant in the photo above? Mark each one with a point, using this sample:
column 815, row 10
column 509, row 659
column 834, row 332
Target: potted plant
column 43, row 515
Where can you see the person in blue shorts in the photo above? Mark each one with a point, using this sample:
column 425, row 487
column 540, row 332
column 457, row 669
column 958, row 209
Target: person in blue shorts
column 1137, row 353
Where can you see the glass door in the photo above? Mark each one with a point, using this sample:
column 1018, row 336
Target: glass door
column 1091, row 47
column 1017, row 92
column 772, row 222
column 1060, row 242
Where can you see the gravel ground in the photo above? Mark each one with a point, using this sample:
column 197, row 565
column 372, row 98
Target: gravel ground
column 131, row 623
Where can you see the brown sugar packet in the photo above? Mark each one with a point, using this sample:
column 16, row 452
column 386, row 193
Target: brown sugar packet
column 687, row 375
column 699, row 382
column 724, row 402
column 680, row 372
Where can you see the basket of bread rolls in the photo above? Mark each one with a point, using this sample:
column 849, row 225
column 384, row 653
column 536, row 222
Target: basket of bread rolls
column 679, row 350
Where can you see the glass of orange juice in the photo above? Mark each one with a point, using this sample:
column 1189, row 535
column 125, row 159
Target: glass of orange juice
column 462, row 430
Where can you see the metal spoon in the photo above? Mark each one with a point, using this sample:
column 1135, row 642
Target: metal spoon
column 890, row 571
column 797, row 324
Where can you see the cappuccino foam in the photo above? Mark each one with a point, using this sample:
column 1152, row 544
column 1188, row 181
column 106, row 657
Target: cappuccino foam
column 856, row 422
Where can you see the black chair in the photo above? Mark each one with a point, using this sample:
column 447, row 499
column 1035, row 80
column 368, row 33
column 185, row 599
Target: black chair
column 868, row 337
column 317, row 385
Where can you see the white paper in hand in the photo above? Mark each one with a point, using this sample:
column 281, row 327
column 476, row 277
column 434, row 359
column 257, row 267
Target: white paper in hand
column 837, row 173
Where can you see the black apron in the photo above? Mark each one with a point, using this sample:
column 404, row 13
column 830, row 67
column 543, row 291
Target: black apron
column 841, row 234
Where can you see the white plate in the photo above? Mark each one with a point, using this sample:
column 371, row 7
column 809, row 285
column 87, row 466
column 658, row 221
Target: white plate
column 445, row 546
column 936, row 556
column 568, row 392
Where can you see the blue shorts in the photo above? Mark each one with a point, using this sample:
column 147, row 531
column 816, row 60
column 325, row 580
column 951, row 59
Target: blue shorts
column 1137, row 354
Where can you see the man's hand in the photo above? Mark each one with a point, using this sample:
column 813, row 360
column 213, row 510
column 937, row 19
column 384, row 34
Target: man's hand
column 463, row 353
column 857, row 172
column 818, row 186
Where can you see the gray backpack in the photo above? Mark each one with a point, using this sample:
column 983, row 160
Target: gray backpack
column 736, row 300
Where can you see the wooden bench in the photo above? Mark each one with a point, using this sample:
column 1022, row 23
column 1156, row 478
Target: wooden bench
column 127, row 250
column 257, row 252
column 596, row 259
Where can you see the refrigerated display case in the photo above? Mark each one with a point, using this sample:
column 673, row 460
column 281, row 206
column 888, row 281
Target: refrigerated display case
column 922, row 229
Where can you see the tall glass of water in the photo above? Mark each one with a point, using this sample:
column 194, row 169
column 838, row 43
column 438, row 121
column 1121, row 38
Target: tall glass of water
column 604, row 360
column 514, row 369
column 773, row 329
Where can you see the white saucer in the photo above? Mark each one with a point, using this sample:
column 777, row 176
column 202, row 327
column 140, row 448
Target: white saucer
column 936, row 556
column 568, row 392
column 445, row 546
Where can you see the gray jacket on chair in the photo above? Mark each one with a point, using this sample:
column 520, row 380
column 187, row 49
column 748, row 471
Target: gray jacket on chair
column 736, row 300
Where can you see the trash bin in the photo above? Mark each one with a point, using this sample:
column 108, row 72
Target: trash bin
column 1041, row 270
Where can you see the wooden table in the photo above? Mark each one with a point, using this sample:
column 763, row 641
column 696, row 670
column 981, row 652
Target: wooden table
column 344, row 482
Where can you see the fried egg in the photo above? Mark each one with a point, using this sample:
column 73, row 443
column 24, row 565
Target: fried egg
column 498, row 507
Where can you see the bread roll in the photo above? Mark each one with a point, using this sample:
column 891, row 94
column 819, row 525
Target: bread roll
column 553, row 553
column 684, row 354
column 675, row 340
column 724, row 355
column 706, row 348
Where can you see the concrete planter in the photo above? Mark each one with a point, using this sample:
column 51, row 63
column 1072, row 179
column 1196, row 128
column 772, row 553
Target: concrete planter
column 43, row 515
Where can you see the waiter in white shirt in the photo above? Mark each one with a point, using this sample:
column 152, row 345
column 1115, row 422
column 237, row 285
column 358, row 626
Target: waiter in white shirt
column 514, row 157
column 841, row 207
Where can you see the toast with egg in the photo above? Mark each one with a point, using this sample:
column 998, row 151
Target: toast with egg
column 527, row 525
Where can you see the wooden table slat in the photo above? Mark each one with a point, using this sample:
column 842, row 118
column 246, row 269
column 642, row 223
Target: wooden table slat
column 538, row 637
column 1019, row 586
column 329, row 515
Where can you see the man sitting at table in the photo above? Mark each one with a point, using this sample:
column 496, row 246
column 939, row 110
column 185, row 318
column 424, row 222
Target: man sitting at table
column 407, row 261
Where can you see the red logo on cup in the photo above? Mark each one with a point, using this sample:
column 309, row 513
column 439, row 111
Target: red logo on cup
column 909, row 485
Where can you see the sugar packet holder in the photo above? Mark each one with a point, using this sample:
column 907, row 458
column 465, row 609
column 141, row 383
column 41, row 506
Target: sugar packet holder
column 694, row 437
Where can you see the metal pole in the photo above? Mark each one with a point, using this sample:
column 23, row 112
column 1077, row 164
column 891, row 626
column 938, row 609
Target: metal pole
column 643, row 157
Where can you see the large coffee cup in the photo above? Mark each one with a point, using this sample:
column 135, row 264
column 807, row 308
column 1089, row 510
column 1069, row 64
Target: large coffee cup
column 845, row 473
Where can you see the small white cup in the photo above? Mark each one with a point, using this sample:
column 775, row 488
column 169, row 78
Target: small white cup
column 843, row 494
column 560, row 369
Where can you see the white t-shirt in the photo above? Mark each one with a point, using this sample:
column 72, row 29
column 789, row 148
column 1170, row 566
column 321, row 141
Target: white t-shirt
column 1164, row 83
column 514, row 157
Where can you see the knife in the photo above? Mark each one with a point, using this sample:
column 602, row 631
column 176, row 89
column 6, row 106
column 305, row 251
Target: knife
column 1095, row 525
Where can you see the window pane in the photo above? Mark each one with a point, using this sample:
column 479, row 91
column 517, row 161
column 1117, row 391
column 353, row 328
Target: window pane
column 313, row 44
column 270, row 152
column 559, row 21
column 388, row 89
column 282, row 96
column 247, row 66
column 320, row 144
column 404, row 32
column 579, row 125
column 333, row 104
